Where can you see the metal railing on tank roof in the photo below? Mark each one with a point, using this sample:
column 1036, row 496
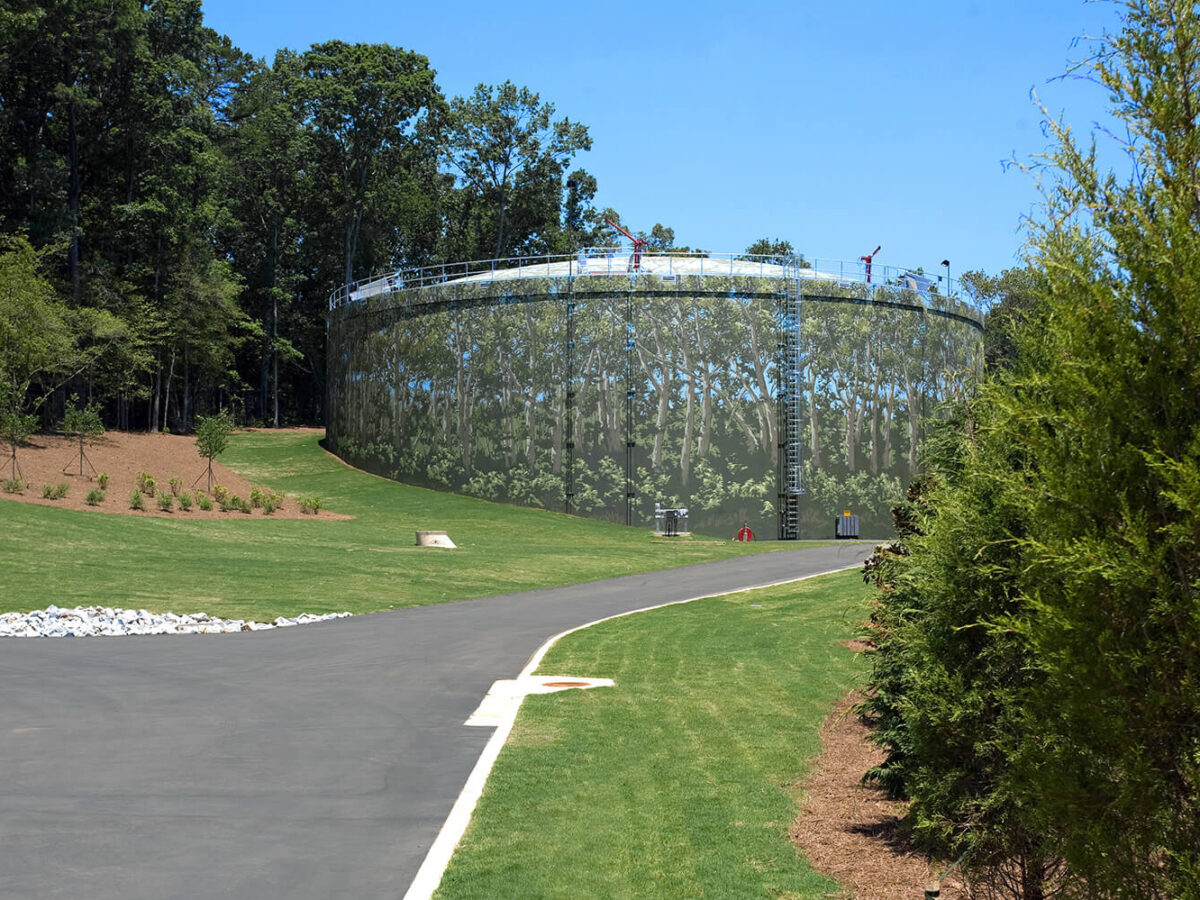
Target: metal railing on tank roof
column 668, row 264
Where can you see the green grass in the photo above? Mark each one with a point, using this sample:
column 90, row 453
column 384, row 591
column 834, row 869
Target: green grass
column 680, row 781
column 261, row 567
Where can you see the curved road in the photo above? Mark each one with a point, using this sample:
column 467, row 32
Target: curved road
column 309, row 762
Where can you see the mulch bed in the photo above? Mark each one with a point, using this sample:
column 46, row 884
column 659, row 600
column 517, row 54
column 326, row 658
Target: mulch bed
column 53, row 459
column 851, row 832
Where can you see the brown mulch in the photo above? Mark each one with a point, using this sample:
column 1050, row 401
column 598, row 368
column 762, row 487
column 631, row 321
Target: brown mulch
column 851, row 832
column 52, row 459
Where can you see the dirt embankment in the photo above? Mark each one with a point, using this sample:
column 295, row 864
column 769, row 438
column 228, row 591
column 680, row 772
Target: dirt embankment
column 53, row 460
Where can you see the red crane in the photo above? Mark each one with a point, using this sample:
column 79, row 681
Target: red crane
column 867, row 259
column 639, row 245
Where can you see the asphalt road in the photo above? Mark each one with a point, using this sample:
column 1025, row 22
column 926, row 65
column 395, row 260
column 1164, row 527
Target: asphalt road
column 309, row 762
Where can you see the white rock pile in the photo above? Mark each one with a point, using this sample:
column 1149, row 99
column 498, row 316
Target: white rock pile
column 102, row 621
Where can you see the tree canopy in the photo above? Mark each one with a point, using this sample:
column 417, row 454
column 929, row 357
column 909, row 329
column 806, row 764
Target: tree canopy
column 1037, row 679
column 189, row 209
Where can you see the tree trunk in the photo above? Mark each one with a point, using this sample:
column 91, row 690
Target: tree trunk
column 74, row 192
column 685, row 452
column 275, row 359
column 154, row 397
column 186, row 422
column 167, row 391
column 814, row 431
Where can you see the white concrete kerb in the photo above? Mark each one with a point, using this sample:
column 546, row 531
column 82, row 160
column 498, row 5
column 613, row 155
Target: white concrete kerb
column 429, row 876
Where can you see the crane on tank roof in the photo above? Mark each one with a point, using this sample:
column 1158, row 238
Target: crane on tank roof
column 639, row 246
column 867, row 261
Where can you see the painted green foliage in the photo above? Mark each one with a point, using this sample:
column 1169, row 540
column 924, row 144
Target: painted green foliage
column 475, row 398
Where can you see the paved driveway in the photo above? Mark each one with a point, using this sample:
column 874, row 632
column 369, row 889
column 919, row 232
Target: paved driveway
column 309, row 762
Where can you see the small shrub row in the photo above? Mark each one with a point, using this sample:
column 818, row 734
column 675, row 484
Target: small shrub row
column 54, row 491
column 94, row 497
column 14, row 485
column 146, row 484
column 267, row 500
column 309, row 504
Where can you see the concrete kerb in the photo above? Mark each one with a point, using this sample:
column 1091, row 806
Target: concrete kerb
column 429, row 875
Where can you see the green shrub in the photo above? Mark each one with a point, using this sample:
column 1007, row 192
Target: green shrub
column 176, row 484
column 185, row 501
column 268, row 505
column 47, row 490
column 54, row 491
column 13, row 485
column 146, row 483
column 256, row 497
column 277, row 499
column 136, row 500
column 205, row 503
column 219, row 493
column 166, row 502
column 102, row 480
column 239, row 503
column 94, row 497
column 309, row 504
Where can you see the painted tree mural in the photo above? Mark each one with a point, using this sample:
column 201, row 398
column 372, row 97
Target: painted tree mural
column 669, row 396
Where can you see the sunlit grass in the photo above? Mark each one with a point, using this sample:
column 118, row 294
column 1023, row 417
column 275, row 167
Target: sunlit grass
column 680, row 781
column 259, row 568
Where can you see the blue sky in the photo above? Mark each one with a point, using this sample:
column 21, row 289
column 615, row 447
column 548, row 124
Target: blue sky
column 835, row 126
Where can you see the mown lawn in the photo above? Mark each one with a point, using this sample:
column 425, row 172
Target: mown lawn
column 680, row 781
column 260, row 568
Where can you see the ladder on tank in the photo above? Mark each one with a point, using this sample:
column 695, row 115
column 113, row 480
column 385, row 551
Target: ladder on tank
column 790, row 384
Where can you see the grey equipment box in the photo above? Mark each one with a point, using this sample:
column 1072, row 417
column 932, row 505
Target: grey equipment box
column 845, row 527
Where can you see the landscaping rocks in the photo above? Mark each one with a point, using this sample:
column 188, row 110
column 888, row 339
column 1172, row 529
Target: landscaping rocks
column 102, row 621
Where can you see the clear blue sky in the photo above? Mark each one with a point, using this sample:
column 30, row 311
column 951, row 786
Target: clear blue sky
column 835, row 126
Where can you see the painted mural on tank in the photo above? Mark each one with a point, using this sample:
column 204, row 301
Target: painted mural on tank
column 605, row 396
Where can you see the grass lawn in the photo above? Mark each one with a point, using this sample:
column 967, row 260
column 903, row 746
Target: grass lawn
column 260, row 568
column 680, row 781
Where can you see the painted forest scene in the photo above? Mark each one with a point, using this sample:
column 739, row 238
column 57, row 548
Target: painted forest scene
column 473, row 388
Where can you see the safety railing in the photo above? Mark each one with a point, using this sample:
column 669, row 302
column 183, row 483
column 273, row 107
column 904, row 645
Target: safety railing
column 608, row 261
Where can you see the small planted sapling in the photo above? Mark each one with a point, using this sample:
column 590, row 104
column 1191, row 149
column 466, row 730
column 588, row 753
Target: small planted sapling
column 136, row 501
column 212, row 437
column 84, row 424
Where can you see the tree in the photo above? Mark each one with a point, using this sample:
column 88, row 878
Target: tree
column 372, row 112
column 952, row 683
column 511, row 154
column 1010, row 299
column 43, row 342
column 1048, row 620
column 778, row 251
column 82, row 422
column 1107, row 404
column 212, row 437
